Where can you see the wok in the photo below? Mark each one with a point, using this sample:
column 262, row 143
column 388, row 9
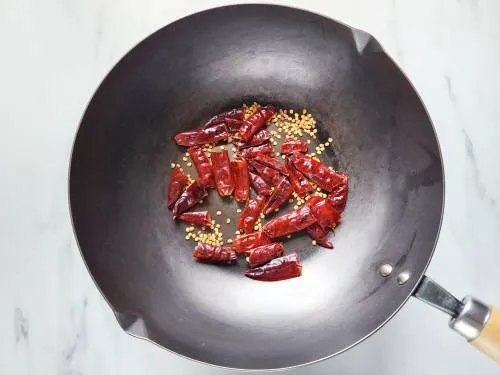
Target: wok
column 383, row 137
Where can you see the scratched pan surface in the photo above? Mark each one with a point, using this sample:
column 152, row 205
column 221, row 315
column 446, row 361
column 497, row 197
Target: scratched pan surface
column 212, row 61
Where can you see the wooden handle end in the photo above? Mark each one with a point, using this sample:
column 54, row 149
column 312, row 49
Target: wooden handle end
column 489, row 339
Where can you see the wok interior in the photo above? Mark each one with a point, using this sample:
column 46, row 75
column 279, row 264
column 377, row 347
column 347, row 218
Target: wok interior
column 215, row 60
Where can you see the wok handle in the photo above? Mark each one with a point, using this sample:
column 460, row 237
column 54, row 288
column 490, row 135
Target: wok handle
column 488, row 340
column 471, row 318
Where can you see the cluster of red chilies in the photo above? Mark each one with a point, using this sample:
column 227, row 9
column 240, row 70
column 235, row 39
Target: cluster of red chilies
column 273, row 182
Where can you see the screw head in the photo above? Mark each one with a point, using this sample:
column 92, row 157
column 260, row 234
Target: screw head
column 385, row 270
column 403, row 277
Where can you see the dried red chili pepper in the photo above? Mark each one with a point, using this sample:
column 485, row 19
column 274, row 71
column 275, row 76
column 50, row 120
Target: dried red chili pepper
column 293, row 145
column 203, row 165
column 316, row 171
column 222, row 173
column 313, row 199
column 271, row 163
column 277, row 269
column 270, row 175
column 178, row 181
column 319, row 235
column 338, row 197
column 250, row 241
column 326, row 216
column 198, row 218
column 280, row 195
column 250, row 152
column 255, row 122
column 259, row 138
column 239, row 169
column 235, row 113
column 233, row 124
column 289, row 223
column 300, row 183
column 191, row 196
column 259, row 185
column 251, row 214
column 263, row 254
column 213, row 134
column 214, row 254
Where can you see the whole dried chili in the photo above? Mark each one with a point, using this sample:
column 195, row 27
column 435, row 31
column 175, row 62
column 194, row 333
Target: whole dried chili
column 255, row 122
column 313, row 199
column 259, row 138
column 251, row 214
column 239, row 170
column 178, row 181
column 259, row 185
column 282, row 268
column 319, row 235
column 232, row 114
column 250, row 152
column 203, row 165
column 300, row 183
column 191, row 196
column 198, row 218
column 316, row 171
column 338, row 197
column 263, row 254
column 326, row 216
column 222, row 173
column 212, row 134
column 293, row 145
column 214, row 254
column 250, row 241
column 280, row 195
column 270, row 175
column 289, row 223
column 233, row 124
column 271, row 163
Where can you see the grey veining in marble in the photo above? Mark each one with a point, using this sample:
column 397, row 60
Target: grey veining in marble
column 55, row 53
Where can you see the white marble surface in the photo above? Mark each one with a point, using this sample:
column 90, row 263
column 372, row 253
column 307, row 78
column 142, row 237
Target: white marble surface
column 53, row 55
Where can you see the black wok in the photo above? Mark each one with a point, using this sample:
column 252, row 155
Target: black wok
column 383, row 137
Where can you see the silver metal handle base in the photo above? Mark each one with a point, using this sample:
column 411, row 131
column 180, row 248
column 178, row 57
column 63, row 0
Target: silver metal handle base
column 471, row 320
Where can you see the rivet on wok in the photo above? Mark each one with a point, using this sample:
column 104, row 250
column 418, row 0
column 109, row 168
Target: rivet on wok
column 403, row 277
column 385, row 270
